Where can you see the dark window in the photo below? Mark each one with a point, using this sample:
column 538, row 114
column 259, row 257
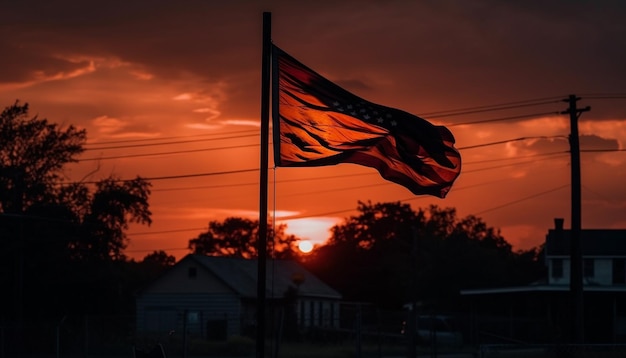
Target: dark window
column 557, row 268
column 192, row 273
column 619, row 271
column 589, row 269
column 320, row 318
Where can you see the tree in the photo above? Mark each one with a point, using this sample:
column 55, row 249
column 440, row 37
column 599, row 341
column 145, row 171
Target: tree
column 160, row 259
column 389, row 254
column 238, row 237
column 58, row 237
column 32, row 154
column 112, row 207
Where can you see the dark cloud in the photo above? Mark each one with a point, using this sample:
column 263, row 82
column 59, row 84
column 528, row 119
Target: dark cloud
column 25, row 63
column 420, row 56
column 587, row 142
column 594, row 142
column 467, row 51
column 551, row 145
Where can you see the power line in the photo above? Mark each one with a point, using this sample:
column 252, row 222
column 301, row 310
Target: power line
column 170, row 137
column 168, row 153
column 496, row 107
column 125, row 156
column 506, row 165
column 373, row 173
column 170, row 143
column 352, row 209
column 278, row 181
column 602, row 150
column 517, row 157
column 510, row 140
column 534, row 115
column 522, row 199
column 182, row 176
column 603, row 95
column 256, row 145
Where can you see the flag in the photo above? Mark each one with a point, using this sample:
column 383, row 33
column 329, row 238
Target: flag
column 318, row 123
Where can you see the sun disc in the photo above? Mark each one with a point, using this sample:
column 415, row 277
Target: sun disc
column 305, row 246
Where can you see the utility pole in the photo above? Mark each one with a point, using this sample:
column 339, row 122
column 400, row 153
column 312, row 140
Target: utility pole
column 576, row 260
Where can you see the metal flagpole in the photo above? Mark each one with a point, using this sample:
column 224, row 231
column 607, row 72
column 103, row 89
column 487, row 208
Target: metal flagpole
column 262, row 241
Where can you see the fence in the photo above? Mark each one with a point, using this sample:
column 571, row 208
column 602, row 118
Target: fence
column 366, row 330
column 552, row 351
column 67, row 336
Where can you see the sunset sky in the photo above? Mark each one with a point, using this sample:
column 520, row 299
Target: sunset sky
column 170, row 91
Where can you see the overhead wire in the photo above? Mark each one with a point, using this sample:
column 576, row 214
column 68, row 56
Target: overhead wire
column 522, row 199
column 496, row 107
column 334, row 212
column 170, row 137
column 247, row 170
column 509, row 141
column 440, row 114
column 169, row 177
column 482, row 110
column 125, row 156
column 168, row 153
column 170, row 143
column 501, row 119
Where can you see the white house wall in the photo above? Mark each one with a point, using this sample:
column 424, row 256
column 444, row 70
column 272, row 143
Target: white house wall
column 161, row 313
column 563, row 280
column 205, row 298
column 603, row 272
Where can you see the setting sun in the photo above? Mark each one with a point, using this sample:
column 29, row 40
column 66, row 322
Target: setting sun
column 305, row 246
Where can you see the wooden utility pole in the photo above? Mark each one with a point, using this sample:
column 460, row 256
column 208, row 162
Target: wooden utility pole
column 576, row 260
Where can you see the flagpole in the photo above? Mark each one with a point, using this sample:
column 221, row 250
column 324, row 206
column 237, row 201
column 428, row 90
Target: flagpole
column 262, row 241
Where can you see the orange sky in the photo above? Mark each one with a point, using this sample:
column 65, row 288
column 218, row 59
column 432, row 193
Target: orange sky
column 188, row 74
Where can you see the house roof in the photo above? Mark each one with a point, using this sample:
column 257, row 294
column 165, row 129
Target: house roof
column 241, row 275
column 594, row 242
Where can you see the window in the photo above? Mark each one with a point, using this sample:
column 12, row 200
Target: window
column 192, row 272
column 193, row 317
column 619, row 271
column 311, row 314
column 589, row 268
column 557, row 268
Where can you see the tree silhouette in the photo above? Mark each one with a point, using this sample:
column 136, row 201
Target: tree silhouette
column 160, row 259
column 59, row 238
column 32, row 153
column 238, row 237
column 375, row 256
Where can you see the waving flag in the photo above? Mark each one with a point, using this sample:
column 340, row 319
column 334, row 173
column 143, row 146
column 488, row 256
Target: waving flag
column 318, row 123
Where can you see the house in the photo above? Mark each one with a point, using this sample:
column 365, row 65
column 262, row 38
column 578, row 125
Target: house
column 215, row 297
column 604, row 257
column 543, row 311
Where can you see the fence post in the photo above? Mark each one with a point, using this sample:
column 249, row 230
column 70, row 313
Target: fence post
column 59, row 336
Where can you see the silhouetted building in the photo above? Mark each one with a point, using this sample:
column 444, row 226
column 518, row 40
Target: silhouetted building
column 215, row 297
column 542, row 312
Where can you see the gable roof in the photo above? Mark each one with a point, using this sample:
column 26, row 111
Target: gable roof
column 241, row 275
column 594, row 242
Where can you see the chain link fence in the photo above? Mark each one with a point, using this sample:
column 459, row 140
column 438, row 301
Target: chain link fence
column 361, row 330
